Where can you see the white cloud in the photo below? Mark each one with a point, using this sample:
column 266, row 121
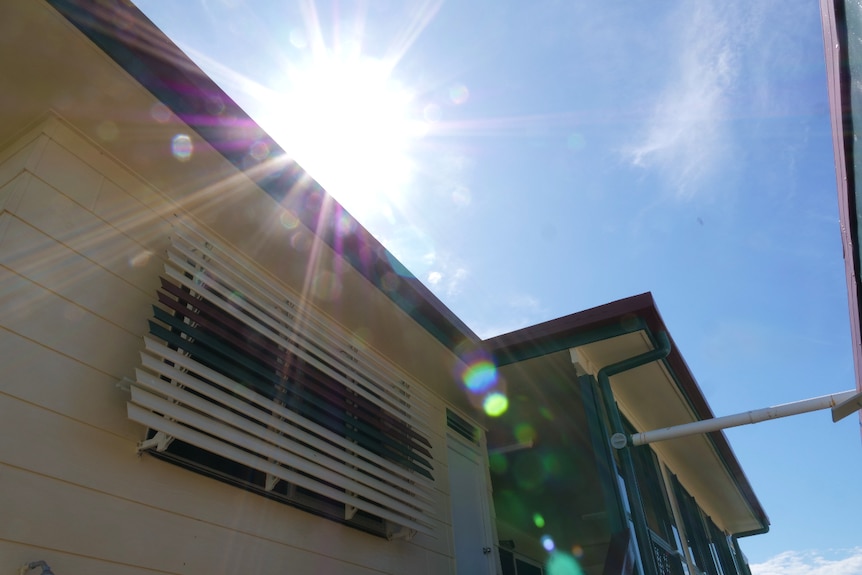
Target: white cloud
column 454, row 280
column 686, row 136
column 445, row 273
column 519, row 310
column 832, row 562
column 525, row 302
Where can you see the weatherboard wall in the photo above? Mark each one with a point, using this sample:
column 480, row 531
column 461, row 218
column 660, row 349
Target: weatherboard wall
column 81, row 250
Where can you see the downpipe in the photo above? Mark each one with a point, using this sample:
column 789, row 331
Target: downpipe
column 626, row 462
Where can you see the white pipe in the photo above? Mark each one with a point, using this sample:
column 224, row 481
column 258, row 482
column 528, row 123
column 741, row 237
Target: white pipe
column 755, row 416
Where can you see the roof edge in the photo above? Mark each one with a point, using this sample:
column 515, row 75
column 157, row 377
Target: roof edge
column 138, row 46
column 838, row 82
column 613, row 319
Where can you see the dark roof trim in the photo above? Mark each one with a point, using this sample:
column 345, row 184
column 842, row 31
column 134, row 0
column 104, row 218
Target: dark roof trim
column 836, row 44
column 608, row 320
column 126, row 35
column 611, row 320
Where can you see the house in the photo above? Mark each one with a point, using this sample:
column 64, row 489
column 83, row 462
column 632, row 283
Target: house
column 574, row 381
column 841, row 35
column 210, row 367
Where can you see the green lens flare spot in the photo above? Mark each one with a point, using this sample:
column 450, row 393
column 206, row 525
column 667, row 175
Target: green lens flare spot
column 495, row 404
column 563, row 564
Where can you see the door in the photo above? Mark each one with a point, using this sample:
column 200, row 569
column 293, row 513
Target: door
column 475, row 553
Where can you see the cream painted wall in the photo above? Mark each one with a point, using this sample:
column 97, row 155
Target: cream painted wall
column 68, row 74
column 81, row 239
column 88, row 192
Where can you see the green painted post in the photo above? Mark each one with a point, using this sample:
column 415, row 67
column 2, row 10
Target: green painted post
column 626, row 463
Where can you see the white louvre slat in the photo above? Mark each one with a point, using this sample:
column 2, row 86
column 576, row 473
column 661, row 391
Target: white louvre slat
column 294, row 439
column 219, row 447
column 371, row 362
column 272, row 330
column 300, row 332
column 251, row 396
column 260, row 441
column 206, row 409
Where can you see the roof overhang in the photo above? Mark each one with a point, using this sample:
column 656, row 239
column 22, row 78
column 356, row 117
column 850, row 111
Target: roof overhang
column 656, row 395
column 103, row 84
column 128, row 37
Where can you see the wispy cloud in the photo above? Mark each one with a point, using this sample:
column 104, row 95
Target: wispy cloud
column 446, row 275
column 516, row 312
column 686, row 136
column 838, row 562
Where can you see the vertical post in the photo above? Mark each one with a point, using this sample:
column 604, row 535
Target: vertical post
column 604, row 456
column 739, row 558
column 626, row 463
column 677, row 517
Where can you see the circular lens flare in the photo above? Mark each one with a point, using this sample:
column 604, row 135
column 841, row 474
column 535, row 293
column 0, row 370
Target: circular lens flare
column 495, row 404
column 182, row 147
column 563, row 564
column 480, row 376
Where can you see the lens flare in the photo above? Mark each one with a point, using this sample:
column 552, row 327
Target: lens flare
column 326, row 286
column 140, row 259
column 301, row 241
column 259, row 151
column 538, row 520
column 345, row 224
column 459, row 94
column 563, row 564
column 160, row 113
column 288, row 220
column 498, row 463
column 182, row 147
column 576, row 142
column 480, row 376
column 525, row 433
column 547, row 543
column 495, row 404
column 551, row 465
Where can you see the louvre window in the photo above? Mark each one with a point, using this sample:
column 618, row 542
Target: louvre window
column 463, row 427
column 240, row 383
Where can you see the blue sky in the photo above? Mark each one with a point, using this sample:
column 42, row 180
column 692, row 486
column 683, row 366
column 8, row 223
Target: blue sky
column 528, row 160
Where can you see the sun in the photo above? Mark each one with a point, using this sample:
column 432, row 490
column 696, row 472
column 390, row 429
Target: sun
column 348, row 123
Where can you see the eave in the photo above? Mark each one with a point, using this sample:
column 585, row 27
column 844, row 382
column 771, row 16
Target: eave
column 657, row 395
column 126, row 35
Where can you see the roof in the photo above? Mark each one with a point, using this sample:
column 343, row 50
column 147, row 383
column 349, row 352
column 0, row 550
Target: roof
column 655, row 397
column 842, row 35
column 125, row 34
